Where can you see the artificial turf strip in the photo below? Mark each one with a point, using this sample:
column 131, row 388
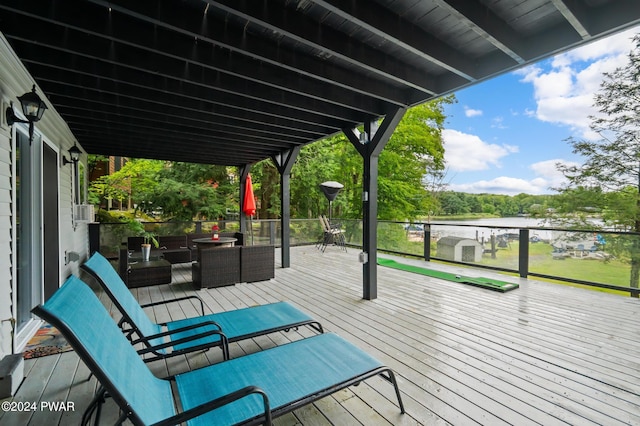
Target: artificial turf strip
column 487, row 283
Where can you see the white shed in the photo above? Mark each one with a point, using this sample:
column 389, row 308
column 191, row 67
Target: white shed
column 459, row 249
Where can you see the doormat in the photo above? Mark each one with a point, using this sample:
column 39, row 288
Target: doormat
column 47, row 341
column 487, row 283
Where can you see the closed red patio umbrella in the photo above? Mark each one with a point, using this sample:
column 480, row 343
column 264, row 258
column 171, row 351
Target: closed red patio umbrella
column 249, row 203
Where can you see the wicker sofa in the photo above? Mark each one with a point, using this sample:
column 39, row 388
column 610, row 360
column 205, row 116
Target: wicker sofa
column 178, row 248
column 172, row 248
column 214, row 267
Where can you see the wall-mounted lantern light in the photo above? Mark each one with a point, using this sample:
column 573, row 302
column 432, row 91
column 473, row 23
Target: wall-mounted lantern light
column 74, row 154
column 32, row 107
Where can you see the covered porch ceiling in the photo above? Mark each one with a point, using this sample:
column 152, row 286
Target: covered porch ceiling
column 232, row 82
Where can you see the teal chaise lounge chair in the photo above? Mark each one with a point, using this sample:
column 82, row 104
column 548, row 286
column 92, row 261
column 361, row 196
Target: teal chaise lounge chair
column 251, row 389
column 196, row 333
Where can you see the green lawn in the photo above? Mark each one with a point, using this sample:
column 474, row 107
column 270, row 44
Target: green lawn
column 612, row 272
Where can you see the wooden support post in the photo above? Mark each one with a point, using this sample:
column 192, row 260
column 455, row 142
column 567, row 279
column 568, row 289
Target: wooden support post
column 369, row 145
column 427, row 243
column 284, row 162
column 523, row 257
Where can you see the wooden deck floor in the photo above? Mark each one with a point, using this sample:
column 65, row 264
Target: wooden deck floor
column 542, row 354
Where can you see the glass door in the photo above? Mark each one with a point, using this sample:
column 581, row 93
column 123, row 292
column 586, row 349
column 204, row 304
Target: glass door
column 28, row 289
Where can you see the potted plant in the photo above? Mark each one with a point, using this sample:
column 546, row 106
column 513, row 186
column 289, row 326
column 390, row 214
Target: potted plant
column 148, row 238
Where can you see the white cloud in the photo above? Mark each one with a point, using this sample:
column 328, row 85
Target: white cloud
column 498, row 123
column 564, row 92
column 546, row 177
column 469, row 112
column 500, row 185
column 548, row 174
column 465, row 152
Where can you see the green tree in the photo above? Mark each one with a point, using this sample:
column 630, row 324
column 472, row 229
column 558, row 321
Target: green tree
column 266, row 180
column 453, row 203
column 415, row 149
column 179, row 191
column 187, row 191
column 415, row 146
column 612, row 162
column 131, row 185
column 316, row 163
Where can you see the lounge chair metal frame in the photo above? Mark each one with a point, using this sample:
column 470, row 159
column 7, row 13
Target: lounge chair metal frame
column 145, row 399
column 186, row 331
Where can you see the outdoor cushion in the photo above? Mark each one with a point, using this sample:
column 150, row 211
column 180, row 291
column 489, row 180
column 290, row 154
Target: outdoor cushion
column 235, row 325
column 244, row 323
column 247, row 389
column 286, row 373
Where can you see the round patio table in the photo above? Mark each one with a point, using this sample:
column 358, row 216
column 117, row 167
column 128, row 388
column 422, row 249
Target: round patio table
column 220, row 242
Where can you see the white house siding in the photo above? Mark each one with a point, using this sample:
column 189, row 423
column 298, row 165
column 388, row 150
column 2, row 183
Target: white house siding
column 5, row 244
column 15, row 81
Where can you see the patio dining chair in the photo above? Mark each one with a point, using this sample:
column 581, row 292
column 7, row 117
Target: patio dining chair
column 195, row 333
column 251, row 389
column 330, row 235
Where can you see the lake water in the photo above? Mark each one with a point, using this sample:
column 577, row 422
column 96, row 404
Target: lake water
column 482, row 229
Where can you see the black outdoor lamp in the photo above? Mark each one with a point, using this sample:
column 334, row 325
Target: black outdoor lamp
column 32, row 107
column 74, row 154
column 330, row 190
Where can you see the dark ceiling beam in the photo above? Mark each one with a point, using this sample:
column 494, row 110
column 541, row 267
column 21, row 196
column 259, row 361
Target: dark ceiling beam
column 185, row 77
column 123, row 65
column 561, row 37
column 449, row 84
column 144, row 45
column 575, row 14
column 489, row 26
column 236, row 40
column 202, row 156
column 191, row 117
column 168, row 149
column 97, row 101
column 118, row 134
column 170, row 99
column 131, row 146
column 77, row 113
column 598, row 21
column 619, row 15
column 164, row 135
column 153, row 127
column 301, row 29
column 381, row 22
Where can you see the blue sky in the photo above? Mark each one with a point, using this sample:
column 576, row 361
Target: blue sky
column 505, row 135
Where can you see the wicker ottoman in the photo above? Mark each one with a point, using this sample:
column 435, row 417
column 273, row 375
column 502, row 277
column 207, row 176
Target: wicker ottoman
column 257, row 263
column 153, row 272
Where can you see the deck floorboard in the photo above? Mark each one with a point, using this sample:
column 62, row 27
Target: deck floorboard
column 543, row 354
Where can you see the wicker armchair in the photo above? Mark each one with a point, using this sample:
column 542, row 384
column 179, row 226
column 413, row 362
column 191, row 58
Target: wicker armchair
column 174, row 249
column 216, row 267
column 257, row 263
